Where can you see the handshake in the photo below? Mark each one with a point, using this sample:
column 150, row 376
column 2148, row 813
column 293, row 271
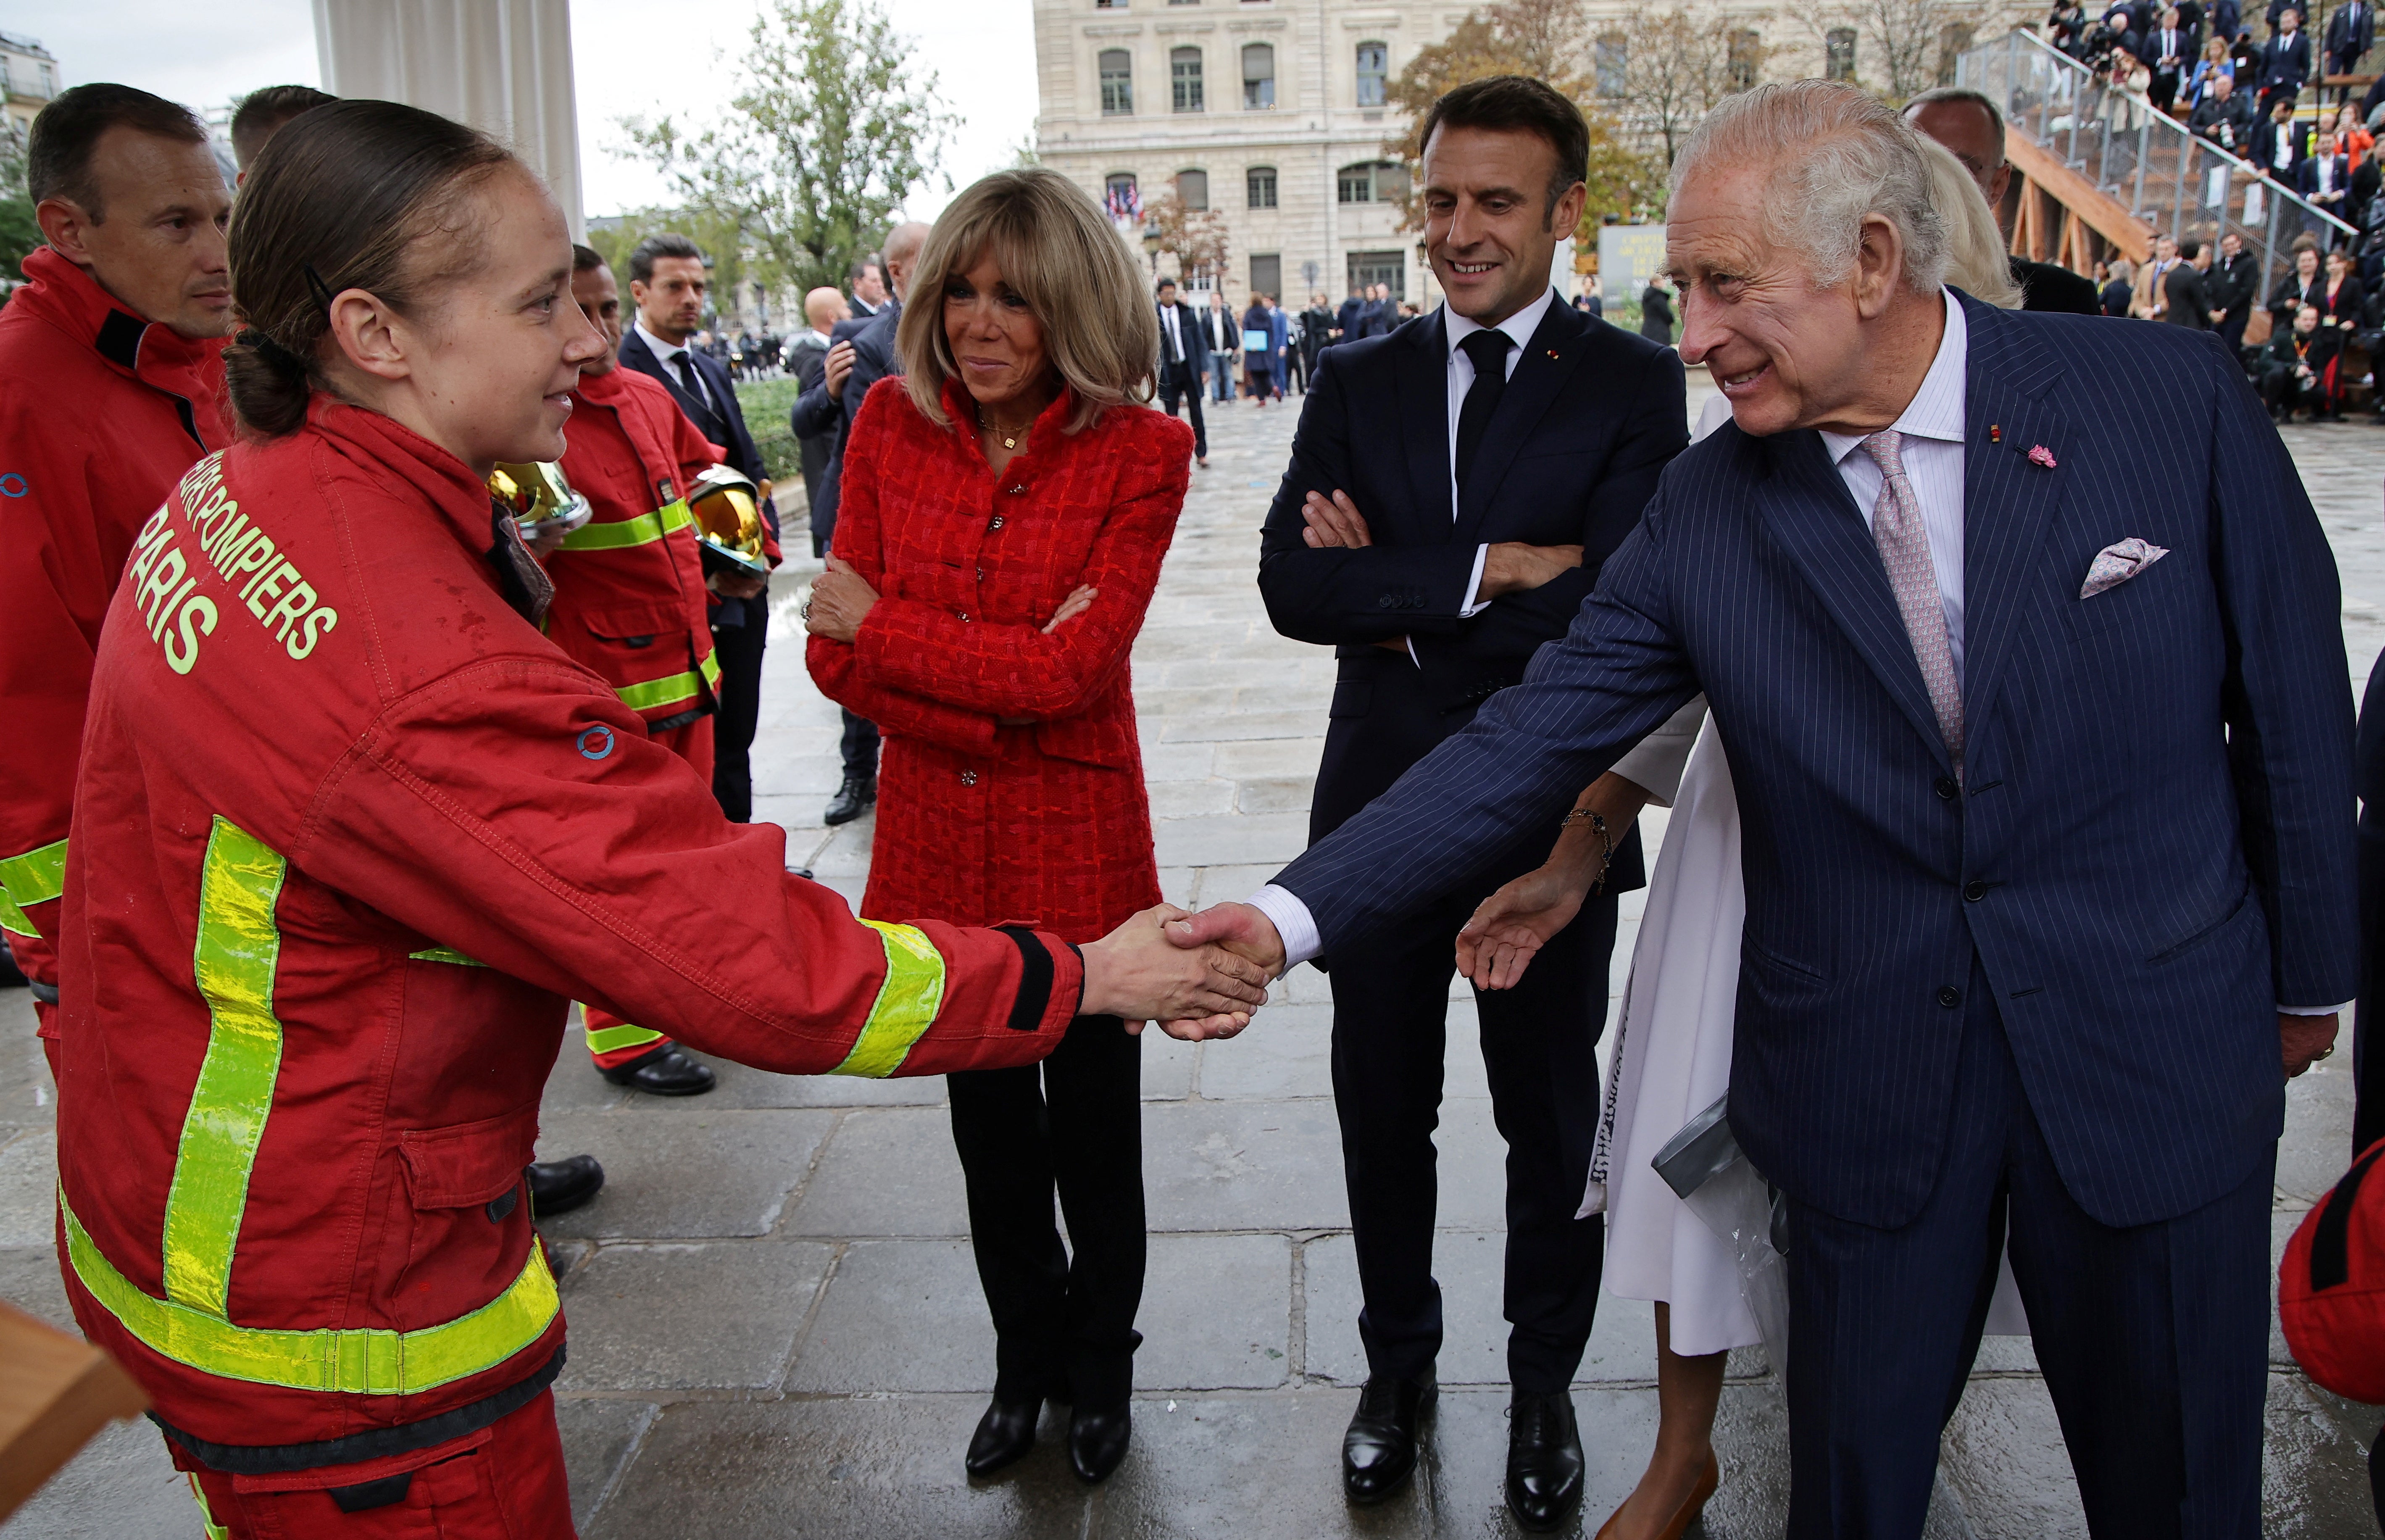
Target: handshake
column 1198, row 975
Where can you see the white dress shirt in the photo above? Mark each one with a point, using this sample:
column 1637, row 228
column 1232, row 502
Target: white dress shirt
column 1455, row 328
column 667, row 354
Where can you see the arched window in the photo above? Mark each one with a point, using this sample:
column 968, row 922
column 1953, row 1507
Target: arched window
column 1371, row 182
column 1184, row 74
column 1839, row 54
column 1613, row 57
column 1193, row 189
column 1259, row 187
column 1374, row 60
column 1118, row 82
column 1258, row 75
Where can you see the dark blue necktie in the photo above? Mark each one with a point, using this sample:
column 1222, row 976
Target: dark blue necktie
column 1488, row 352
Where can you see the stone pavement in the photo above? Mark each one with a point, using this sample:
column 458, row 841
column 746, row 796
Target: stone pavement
column 776, row 1323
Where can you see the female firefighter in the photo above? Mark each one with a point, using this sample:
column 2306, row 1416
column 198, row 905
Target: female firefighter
column 349, row 832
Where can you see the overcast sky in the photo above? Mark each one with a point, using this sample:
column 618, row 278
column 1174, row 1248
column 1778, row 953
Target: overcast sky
column 626, row 54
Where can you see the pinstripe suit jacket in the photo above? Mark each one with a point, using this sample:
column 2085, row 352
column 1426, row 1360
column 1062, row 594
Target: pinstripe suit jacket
column 2154, row 847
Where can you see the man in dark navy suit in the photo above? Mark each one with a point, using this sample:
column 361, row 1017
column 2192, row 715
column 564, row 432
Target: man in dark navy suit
column 1453, row 490
column 2044, row 755
column 668, row 280
column 861, row 353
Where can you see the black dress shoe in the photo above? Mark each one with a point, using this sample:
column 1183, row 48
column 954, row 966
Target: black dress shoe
column 666, row 1072
column 1003, row 1436
column 1097, row 1441
column 559, row 1186
column 1544, row 1459
column 854, row 798
column 1379, row 1452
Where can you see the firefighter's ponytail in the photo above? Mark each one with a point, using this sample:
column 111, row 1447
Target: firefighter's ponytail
column 355, row 195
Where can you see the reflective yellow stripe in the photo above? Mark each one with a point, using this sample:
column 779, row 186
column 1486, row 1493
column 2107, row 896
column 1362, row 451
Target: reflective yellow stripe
column 604, row 1040
column 657, row 693
column 212, row 1529
column 446, row 953
column 238, row 948
column 906, row 1003
column 644, row 529
column 35, row 877
column 360, row 1361
column 233, row 963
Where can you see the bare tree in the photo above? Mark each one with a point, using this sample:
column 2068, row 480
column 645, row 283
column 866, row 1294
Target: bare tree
column 1678, row 64
column 1904, row 47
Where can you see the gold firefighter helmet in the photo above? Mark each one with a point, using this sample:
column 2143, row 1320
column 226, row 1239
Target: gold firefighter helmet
column 727, row 507
column 541, row 501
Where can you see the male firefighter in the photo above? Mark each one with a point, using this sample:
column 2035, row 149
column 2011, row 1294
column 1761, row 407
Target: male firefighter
column 110, row 387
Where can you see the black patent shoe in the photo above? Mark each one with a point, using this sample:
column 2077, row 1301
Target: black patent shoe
column 1544, row 1459
column 559, row 1186
column 1003, row 1436
column 1379, row 1452
column 666, row 1072
column 1097, row 1441
column 854, row 798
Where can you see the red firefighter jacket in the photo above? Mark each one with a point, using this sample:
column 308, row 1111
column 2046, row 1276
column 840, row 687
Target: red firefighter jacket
column 979, row 823
column 100, row 411
column 628, row 584
column 348, row 834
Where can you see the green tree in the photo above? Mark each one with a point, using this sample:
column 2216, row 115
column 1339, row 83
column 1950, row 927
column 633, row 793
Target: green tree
column 18, row 232
column 830, row 127
column 1542, row 39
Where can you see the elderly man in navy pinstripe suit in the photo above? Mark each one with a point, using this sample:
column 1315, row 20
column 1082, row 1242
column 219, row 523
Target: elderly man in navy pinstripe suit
column 2043, row 747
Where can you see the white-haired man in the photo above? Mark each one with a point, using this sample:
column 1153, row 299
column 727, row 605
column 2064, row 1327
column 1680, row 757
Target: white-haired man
column 2044, row 762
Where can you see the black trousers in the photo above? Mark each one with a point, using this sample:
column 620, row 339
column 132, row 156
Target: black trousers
column 2153, row 1338
column 738, row 649
column 1064, row 1323
column 1180, row 380
column 1539, row 1044
column 859, row 746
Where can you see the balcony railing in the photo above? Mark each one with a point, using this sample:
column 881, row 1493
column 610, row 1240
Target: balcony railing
column 2141, row 159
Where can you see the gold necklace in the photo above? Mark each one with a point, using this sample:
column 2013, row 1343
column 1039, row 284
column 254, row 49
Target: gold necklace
column 1009, row 436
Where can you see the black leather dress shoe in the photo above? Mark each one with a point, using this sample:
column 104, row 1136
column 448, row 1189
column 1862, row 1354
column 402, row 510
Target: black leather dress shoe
column 664, row 1072
column 854, row 798
column 1003, row 1436
column 1379, row 1452
column 1544, row 1459
column 559, row 1186
column 1097, row 1441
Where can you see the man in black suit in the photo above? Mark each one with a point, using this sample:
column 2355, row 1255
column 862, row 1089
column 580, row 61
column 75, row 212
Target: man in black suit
column 2325, row 180
column 2351, row 32
column 870, row 294
column 861, row 353
column 2168, row 51
column 1453, row 491
column 668, row 280
column 1183, row 363
column 2279, row 142
column 1971, row 127
column 1345, row 321
column 2235, row 284
column 2285, row 59
column 2188, row 297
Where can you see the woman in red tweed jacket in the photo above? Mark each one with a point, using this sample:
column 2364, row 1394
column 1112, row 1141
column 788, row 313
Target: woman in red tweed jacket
column 1006, row 504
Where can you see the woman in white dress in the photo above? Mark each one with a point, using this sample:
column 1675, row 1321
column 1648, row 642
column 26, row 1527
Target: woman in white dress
column 1672, row 1057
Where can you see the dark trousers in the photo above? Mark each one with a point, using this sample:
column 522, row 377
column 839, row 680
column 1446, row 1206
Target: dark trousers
column 859, row 746
column 2162, row 89
column 1539, row 1044
column 738, row 649
column 1062, row 1322
column 2153, row 1339
column 1180, row 380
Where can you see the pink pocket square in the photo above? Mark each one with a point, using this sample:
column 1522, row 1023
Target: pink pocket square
column 2117, row 562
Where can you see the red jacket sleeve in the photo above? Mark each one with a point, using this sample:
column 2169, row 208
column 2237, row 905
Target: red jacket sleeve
column 470, row 812
column 1017, row 670
column 833, row 664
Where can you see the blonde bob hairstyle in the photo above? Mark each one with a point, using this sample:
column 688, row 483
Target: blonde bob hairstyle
column 1976, row 261
column 1059, row 254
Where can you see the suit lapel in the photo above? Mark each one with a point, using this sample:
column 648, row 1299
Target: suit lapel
column 1806, row 507
column 1548, row 362
column 1421, row 381
column 2008, row 499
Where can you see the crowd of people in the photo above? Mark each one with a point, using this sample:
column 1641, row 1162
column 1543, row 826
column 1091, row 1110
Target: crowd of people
column 402, row 572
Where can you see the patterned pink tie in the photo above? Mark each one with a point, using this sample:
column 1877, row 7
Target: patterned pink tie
column 1905, row 551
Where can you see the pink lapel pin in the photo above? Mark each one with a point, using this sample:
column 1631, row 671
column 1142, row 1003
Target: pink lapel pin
column 2039, row 455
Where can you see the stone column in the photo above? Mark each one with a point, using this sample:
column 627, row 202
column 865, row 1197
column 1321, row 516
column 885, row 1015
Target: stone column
column 502, row 66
